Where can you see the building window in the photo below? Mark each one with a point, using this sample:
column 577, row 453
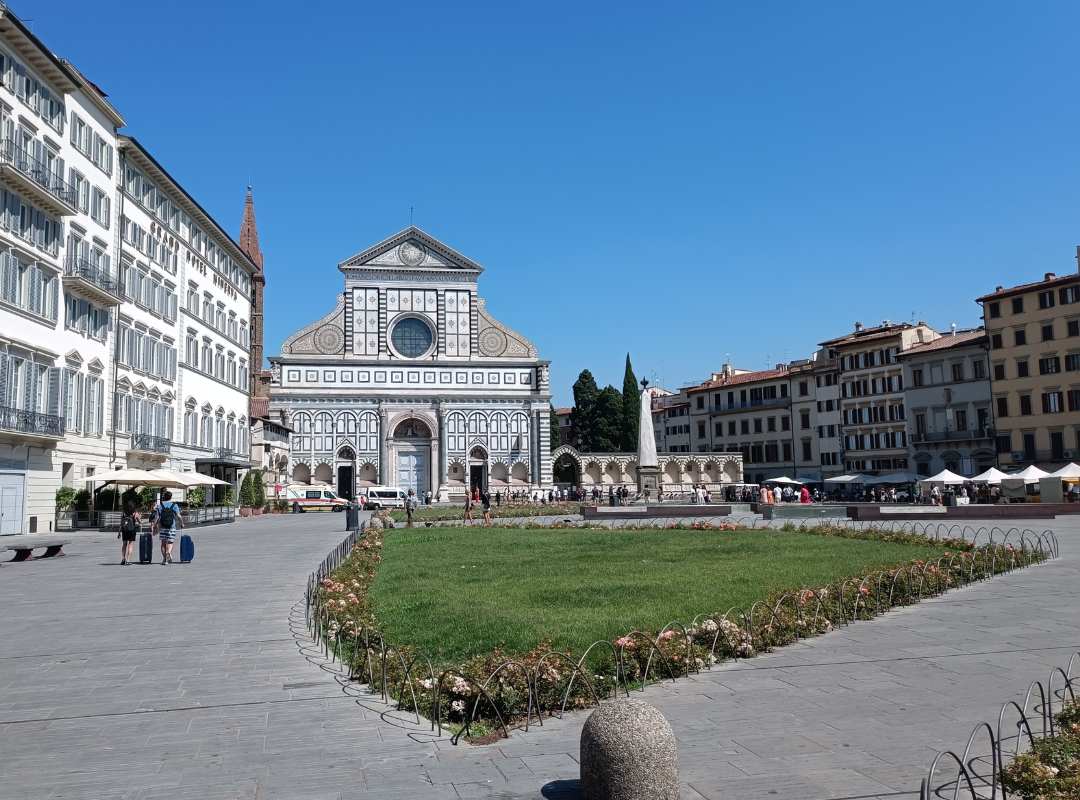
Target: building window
column 994, row 310
column 960, row 419
column 1018, row 305
column 1073, row 327
column 958, row 372
column 995, row 341
column 1069, row 295
column 804, row 388
column 1003, row 406
column 1074, row 399
column 1072, row 362
column 1020, row 337
column 979, row 369
column 1021, row 368
column 785, row 423
column 1003, row 443
column 917, row 377
column 700, row 399
column 999, row 372
column 1052, row 403
column 1050, row 365
column 1048, row 332
column 1025, row 405
column 1046, row 299
column 804, row 420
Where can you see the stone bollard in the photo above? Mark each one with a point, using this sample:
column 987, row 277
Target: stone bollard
column 628, row 753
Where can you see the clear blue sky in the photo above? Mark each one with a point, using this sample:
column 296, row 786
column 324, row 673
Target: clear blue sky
column 681, row 181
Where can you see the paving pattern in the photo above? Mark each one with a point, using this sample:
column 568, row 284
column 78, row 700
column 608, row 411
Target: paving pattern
column 194, row 681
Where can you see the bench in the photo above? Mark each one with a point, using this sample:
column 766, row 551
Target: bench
column 25, row 550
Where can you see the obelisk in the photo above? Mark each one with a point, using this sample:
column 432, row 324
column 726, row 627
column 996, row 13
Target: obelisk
column 648, row 472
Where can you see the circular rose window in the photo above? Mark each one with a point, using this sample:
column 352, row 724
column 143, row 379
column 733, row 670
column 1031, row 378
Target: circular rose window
column 411, row 337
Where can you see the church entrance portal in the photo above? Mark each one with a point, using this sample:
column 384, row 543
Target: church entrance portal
column 345, row 481
column 412, row 461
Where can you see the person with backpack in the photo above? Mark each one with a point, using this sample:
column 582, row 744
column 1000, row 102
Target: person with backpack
column 129, row 531
column 168, row 522
column 485, row 499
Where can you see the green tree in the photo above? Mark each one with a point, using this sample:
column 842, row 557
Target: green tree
column 258, row 488
column 583, row 417
column 631, row 406
column 607, row 430
column 553, row 433
column 247, row 497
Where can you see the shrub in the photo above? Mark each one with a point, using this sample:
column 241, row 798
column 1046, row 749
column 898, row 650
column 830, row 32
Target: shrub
column 247, row 497
column 196, row 497
column 106, row 499
column 1051, row 769
column 258, row 487
column 81, row 500
column 281, row 506
column 230, row 496
column 65, row 498
column 147, row 495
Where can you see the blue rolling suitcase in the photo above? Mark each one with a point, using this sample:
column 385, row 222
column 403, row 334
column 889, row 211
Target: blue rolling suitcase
column 146, row 547
column 187, row 549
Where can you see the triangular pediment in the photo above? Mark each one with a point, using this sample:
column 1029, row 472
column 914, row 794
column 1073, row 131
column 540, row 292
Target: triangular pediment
column 74, row 358
column 95, row 365
column 411, row 248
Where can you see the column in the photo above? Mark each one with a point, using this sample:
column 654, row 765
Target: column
column 383, row 456
column 443, row 458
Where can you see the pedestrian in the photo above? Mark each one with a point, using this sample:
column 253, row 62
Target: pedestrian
column 410, row 507
column 129, row 531
column 427, row 497
column 804, row 495
column 168, row 522
column 498, row 499
column 468, row 507
column 485, row 498
column 777, row 495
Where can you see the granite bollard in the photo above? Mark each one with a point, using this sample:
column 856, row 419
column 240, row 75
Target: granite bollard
column 628, row 753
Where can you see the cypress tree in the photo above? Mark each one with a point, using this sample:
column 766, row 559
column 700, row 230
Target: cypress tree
column 631, row 406
column 583, row 417
column 607, row 433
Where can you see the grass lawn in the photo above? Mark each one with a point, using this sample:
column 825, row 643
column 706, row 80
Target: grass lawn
column 456, row 512
column 458, row 592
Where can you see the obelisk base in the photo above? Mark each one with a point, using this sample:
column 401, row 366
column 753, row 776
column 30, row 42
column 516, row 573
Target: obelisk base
column 648, row 483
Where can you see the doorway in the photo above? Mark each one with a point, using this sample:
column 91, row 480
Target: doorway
column 478, row 476
column 345, row 481
column 412, row 470
column 11, row 503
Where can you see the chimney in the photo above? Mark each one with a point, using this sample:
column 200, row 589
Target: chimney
column 725, row 370
column 1049, row 276
column 858, row 327
column 953, row 327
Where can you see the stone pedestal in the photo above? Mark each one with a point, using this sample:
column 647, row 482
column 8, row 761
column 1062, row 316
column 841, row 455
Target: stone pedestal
column 628, row 753
column 648, row 478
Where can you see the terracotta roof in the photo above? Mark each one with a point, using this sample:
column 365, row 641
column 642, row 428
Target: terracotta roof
column 1056, row 280
column 734, row 380
column 868, row 334
column 562, row 412
column 260, row 407
column 947, row 341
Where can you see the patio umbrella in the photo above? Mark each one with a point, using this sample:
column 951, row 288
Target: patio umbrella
column 947, row 477
column 783, row 479
column 1068, row 471
column 893, row 478
column 1029, row 475
column 847, row 479
column 186, row 480
column 992, row 476
column 132, row 477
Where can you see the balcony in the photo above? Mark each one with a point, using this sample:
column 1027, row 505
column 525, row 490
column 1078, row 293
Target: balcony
column 779, row 402
column 90, row 281
column 225, row 456
column 146, row 444
column 30, row 424
column 974, row 435
column 25, row 173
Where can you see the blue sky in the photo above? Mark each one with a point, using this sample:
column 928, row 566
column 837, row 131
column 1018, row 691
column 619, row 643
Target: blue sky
column 681, row 181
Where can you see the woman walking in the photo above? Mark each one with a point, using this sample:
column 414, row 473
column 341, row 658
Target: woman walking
column 129, row 531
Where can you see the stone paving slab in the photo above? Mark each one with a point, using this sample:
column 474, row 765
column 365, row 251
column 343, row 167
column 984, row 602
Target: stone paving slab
column 185, row 681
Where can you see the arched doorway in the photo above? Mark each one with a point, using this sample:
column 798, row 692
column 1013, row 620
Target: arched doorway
column 412, row 455
column 346, row 473
column 478, row 468
column 566, row 470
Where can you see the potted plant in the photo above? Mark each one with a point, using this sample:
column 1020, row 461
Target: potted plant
column 65, row 498
column 247, row 498
column 258, row 491
column 196, row 497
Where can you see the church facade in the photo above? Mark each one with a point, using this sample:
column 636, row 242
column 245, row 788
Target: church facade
column 409, row 381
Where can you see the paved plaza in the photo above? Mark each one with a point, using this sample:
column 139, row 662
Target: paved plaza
column 193, row 681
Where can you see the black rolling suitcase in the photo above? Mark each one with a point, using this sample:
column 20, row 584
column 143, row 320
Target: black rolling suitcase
column 146, row 548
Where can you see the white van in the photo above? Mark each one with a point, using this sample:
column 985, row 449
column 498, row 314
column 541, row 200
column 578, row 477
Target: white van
column 384, row 497
column 312, row 497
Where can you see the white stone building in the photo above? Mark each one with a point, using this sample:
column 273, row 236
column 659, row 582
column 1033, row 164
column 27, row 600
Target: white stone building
column 410, row 382
column 183, row 375
column 57, row 278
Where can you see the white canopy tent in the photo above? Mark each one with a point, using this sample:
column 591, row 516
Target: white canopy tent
column 992, row 476
column 947, row 477
column 892, row 478
column 783, row 479
column 1068, row 471
column 1029, row 475
column 136, row 477
column 847, row 479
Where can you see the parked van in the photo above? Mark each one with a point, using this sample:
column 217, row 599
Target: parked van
column 306, row 497
column 384, row 497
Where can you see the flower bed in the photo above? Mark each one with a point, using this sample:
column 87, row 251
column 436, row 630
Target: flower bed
column 1051, row 769
column 492, row 692
column 450, row 513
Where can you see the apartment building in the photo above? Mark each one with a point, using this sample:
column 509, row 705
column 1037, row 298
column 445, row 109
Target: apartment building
column 58, row 293
column 96, row 245
column 671, row 421
column 815, row 414
column 873, row 416
column 746, row 412
column 947, row 400
column 183, row 373
column 1034, row 335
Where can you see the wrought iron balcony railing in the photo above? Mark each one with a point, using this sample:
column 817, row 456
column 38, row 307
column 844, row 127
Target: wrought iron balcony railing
column 150, row 444
column 13, row 154
column 75, row 267
column 31, row 423
column 953, row 436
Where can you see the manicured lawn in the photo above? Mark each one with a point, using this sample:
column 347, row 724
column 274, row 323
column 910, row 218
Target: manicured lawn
column 443, row 513
column 458, row 592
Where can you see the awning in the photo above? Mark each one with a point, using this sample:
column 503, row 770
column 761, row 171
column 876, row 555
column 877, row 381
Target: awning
column 892, row 478
column 847, row 479
column 1029, row 475
column 992, row 476
column 1068, row 471
column 947, row 477
column 783, row 479
column 188, row 479
column 135, row 477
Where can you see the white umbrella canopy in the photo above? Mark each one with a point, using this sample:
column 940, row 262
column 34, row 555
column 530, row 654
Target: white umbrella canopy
column 783, row 479
column 992, row 476
column 847, row 479
column 1068, row 471
column 893, row 477
column 133, row 477
column 1029, row 475
column 947, row 477
column 186, row 480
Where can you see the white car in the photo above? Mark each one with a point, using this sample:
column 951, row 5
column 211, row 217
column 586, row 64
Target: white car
column 376, row 497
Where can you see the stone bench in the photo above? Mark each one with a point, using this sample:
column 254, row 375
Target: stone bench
column 25, row 550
